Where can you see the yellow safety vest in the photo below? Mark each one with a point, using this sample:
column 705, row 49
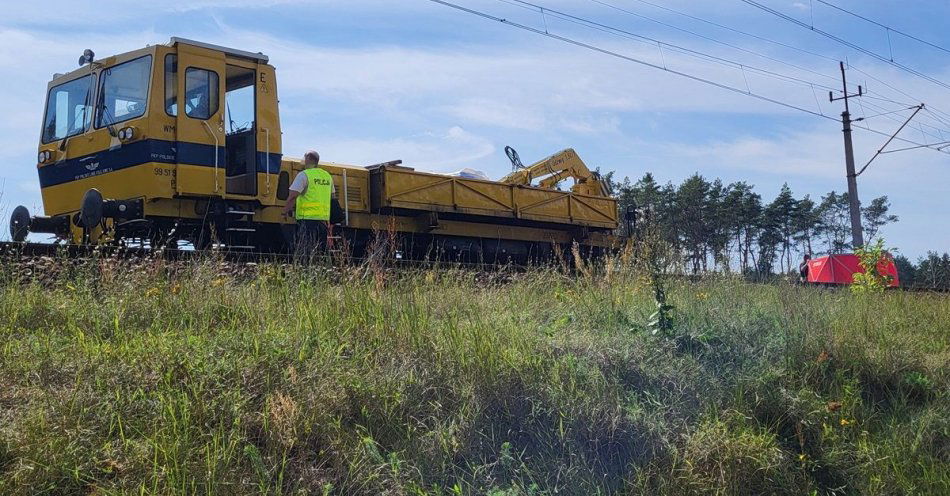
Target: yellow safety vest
column 314, row 203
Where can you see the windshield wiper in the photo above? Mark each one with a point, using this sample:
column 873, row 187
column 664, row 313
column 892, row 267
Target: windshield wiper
column 102, row 107
column 85, row 105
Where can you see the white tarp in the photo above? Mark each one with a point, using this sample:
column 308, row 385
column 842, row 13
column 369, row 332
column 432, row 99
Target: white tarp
column 468, row 173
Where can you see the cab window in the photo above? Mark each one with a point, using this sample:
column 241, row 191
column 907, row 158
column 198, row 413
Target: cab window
column 68, row 109
column 171, row 84
column 123, row 91
column 201, row 93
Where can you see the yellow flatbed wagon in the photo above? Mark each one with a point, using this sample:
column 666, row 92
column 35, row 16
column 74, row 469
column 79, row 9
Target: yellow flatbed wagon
column 182, row 142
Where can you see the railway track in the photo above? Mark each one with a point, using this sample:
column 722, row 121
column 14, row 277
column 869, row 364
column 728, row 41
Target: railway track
column 32, row 250
column 13, row 251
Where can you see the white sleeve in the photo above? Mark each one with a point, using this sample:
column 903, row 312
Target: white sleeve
column 300, row 183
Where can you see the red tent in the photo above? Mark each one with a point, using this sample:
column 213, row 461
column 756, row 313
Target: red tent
column 840, row 269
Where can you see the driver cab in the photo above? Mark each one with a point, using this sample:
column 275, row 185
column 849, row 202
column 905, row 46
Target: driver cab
column 226, row 126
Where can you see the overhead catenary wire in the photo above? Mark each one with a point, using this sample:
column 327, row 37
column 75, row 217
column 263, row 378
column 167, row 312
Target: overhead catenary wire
column 937, row 116
column 645, row 63
column 930, row 114
column 930, row 107
column 889, row 114
column 880, row 110
column 847, row 43
column 890, row 86
column 669, row 46
column 738, row 31
column 735, row 64
column 881, row 25
column 861, row 123
column 881, row 114
column 628, row 58
column 714, row 40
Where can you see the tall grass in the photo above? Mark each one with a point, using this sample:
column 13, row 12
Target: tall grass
column 184, row 379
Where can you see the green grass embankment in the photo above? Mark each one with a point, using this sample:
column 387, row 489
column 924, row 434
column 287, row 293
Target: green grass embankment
column 128, row 380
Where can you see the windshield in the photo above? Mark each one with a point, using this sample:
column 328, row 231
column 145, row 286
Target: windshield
column 68, row 109
column 124, row 91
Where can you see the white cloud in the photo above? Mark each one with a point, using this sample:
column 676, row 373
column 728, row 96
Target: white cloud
column 499, row 114
column 442, row 151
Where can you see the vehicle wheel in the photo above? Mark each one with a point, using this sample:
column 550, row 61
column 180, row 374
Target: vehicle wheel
column 90, row 213
column 19, row 224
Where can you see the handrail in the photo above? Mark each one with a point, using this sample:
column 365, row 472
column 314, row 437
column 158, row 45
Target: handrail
column 267, row 162
column 215, row 137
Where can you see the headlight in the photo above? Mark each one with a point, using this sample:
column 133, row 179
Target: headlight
column 126, row 134
column 44, row 156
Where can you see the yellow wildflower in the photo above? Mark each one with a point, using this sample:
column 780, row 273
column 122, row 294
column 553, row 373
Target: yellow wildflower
column 845, row 422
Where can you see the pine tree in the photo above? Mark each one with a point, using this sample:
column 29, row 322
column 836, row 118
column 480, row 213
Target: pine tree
column 718, row 226
column 875, row 217
column 692, row 198
column 770, row 236
column 806, row 224
column 906, row 272
column 934, row 271
column 743, row 209
column 835, row 222
column 782, row 212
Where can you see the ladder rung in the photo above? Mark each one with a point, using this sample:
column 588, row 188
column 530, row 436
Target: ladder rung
column 239, row 212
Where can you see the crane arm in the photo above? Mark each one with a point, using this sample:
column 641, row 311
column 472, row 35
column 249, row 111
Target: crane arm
column 556, row 168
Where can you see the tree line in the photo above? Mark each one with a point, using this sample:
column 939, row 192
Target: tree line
column 932, row 271
column 729, row 227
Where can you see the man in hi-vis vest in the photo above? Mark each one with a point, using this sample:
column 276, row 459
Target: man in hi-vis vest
column 309, row 200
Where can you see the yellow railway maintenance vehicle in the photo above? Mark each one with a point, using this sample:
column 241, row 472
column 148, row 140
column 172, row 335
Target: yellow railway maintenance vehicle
column 182, row 142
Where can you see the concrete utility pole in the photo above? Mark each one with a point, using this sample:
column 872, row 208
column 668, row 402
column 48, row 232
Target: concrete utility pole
column 857, row 233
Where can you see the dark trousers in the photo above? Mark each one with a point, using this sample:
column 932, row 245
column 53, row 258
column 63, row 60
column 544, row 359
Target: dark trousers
column 311, row 238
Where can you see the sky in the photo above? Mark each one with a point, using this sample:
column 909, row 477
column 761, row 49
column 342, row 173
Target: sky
column 368, row 81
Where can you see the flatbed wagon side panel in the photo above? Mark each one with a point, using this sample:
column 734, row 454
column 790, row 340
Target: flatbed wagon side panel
column 404, row 188
column 568, row 208
column 409, row 189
